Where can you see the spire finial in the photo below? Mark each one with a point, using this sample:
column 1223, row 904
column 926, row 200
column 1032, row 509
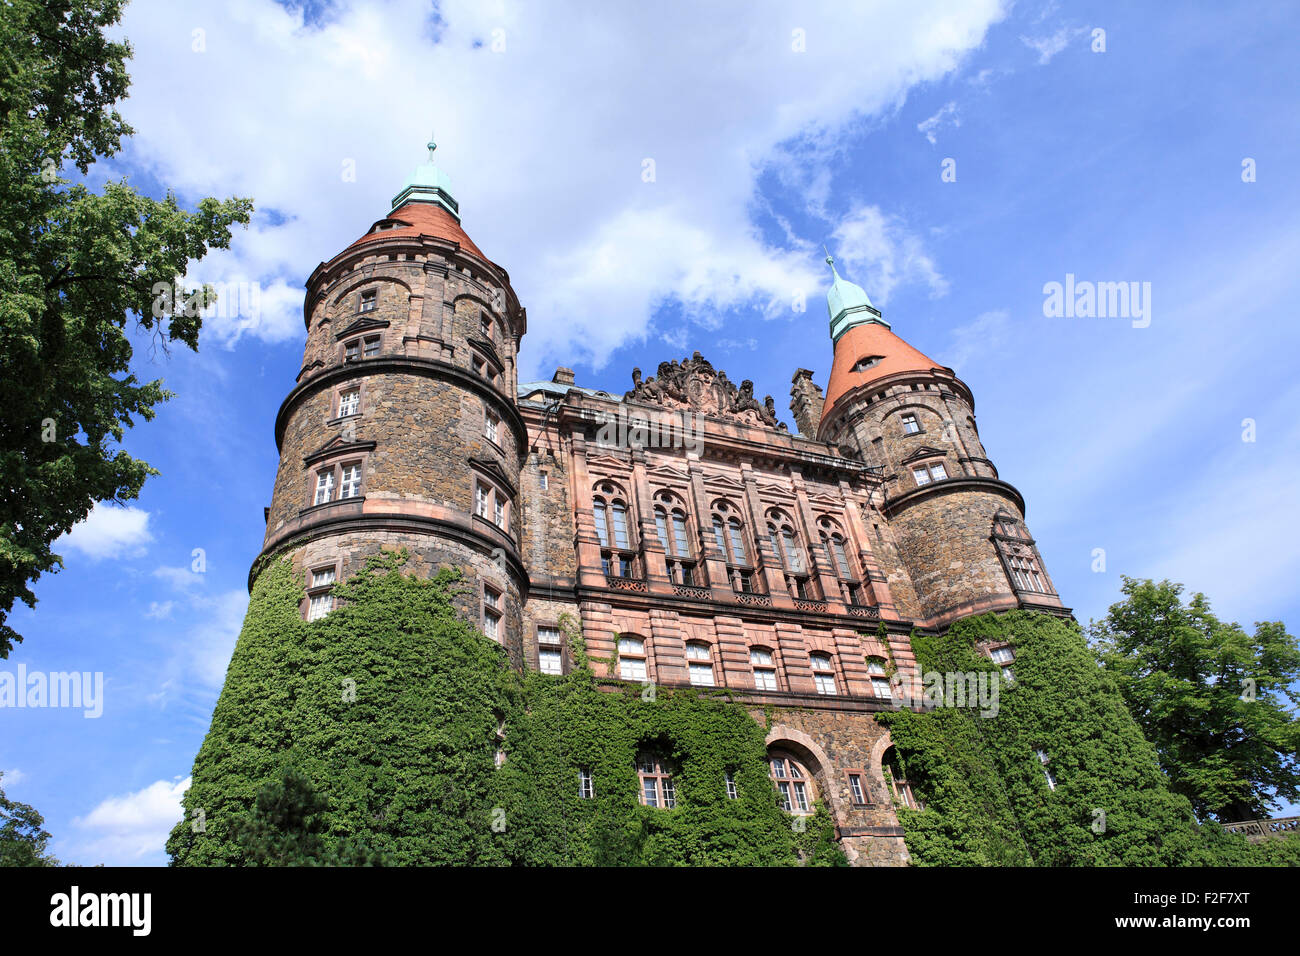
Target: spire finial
column 432, row 146
column 830, row 259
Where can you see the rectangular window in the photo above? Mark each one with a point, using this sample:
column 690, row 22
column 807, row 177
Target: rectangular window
column 880, row 687
column 324, row 486
column 549, row 661
column 825, row 684
column 499, row 513
column 349, row 402
column 937, row 471
column 855, row 788
column 350, row 487
column 372, row 346
column 586, row 790
column 323, row 577
column 1043, row 759
column 764, row 678
column 491, row 613
column 352, row 351
column 480, row 367
column 485, row 326
column 368, row 301
column 910, row 425
column 544, row 481
column 548, row 635
column 702, row 675
column 732, row 792
column 482, row 500
column 491, row 422
column 632, row 668
column 319, row 606
column 921, row 474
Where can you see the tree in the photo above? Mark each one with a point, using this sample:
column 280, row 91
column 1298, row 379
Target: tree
column 286, row 825
column 75, row 266
column 22, row 837
column 1216, row 702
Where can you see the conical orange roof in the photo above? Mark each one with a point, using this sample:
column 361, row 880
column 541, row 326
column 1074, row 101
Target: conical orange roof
column 423, row 219
column 867, row 341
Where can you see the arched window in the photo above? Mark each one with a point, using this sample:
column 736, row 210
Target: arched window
column 785, row 542
column 670, row 522
column 792, row 781
column 729, row 536
column 879, row 681
column 823, row 673
column 632, row 659
column 610, row 511
column 834, row 542
column 896, row 781
column 764, row 667
column 699, row 663
column 655, row 774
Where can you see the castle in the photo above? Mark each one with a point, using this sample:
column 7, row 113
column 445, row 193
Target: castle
column 695, row 539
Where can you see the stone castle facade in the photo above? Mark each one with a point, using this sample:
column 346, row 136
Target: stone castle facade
column 694, row 538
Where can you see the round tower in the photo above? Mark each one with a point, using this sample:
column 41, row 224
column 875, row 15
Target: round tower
column 402, row 428
column 960, row 528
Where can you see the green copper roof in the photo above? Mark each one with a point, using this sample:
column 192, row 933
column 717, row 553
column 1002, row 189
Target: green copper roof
column 428, row 184
column 848, row 305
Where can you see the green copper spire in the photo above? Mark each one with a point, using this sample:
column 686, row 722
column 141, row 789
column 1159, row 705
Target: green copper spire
column 428, row 184
column 848, row 304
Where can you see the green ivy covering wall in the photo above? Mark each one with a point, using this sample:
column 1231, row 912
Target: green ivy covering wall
column 391, row 706
column 987, row 800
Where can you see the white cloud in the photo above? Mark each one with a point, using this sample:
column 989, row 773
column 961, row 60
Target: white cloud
column 1048, row 46
column 123, row 830
column 544, row 141
column 108, row 532
column 983, row 335
column 10, row 777
column 180, row 579
column 158, row 610
column 946, row 116
column 878, row 253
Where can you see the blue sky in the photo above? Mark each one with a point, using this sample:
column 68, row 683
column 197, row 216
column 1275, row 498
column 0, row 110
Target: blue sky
column 1122, row 165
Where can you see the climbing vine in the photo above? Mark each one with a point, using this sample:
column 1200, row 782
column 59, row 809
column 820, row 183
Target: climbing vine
column 391, row 706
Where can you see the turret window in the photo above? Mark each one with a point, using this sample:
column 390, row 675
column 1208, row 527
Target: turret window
column 862, row 364
column 924, row 474
column 492, row 608
column 491, row 503
column 910, row 425
column 320, row 587
column 350, row 485
column 367, row 301
column 491, row 425
column 349, row 402
column 1003, row 656
column 324, row 486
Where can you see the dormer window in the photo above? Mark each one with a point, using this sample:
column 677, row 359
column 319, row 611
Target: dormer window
column 924, row 474
column 862, row 364
column 910, row 425
column 368, row 301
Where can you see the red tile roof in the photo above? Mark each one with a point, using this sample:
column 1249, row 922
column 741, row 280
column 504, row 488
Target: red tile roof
column 864, row 341
column 424, row 219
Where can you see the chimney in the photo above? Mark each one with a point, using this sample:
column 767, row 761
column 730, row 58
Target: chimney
column 806, row 400
column 563, row 376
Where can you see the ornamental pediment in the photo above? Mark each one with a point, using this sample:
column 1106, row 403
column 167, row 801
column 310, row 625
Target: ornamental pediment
column 696, row 386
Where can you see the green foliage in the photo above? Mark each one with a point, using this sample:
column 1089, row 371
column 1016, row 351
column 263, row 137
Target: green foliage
column 285, row 825
column 22, row 835
column 74, row 265
column 1217, row 702
column 406, row 769
column 987, row 798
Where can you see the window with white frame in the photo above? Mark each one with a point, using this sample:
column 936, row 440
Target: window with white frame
column 610, row 512
column 492, row 609
column 764, row 667
column 352, row 351
column 791, row 781
column 699, row 662
column 729, row 536
column 550, row 657
column 491, row 503
column 632, row 659
column 350, row 481
column 544, row 481
column 349, row 401
column 670, row 522
column 586, row 789
column 370, row 348
column 324, row 486
column 656, row 778
column 730, row 780
column 485, row 326
column 933, row 471
column 855, row 790
column 491, row 425
column 368, row 300
column 320, row 587
column 823, row 674
column 1043, row 759
column 910, row 425
column 1003, row 656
